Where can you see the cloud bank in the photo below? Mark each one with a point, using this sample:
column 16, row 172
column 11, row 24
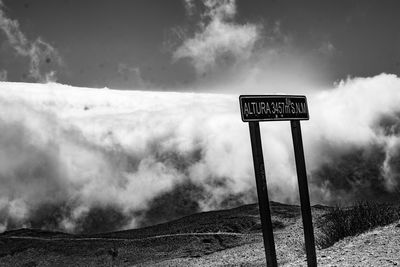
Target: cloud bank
column 72, row 158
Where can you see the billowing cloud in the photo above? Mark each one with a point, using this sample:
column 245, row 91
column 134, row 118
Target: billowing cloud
column 39, row 52
column 355, row 133
column 218, row 39
column 72, row 156
column 74, row 141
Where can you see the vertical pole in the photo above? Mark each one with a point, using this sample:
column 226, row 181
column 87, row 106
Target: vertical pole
column 262, row 193
column 304, row 196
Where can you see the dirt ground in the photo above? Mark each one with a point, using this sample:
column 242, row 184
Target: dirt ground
column 241, row 244
column 379, row 247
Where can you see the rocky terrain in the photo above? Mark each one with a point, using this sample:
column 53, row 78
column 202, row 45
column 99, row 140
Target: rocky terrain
column 218, row 238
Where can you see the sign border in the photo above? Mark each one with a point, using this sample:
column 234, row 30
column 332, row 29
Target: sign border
column 271, row 96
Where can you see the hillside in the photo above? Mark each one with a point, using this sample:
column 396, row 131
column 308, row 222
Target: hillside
column 226, row 237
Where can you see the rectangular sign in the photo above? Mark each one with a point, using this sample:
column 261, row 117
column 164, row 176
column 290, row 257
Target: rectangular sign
column 273, row 107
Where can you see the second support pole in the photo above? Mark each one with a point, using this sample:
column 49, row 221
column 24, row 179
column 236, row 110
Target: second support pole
column 304, row 196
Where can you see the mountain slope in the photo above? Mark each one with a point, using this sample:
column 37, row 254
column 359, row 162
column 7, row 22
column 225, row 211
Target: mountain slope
column 217, row 238
column 191, row 236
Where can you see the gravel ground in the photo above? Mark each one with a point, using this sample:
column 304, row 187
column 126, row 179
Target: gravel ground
column 379, row 247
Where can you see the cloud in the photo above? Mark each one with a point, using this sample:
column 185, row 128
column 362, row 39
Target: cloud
column 74, row 154
column 221, row 10
column 190, row 6
column 72, row 151
column 355, row 130
column 218, row 39
column 39, row 52
column 255, row 58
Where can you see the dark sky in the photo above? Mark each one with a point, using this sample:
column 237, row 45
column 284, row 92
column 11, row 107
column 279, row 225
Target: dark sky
column 123, row 44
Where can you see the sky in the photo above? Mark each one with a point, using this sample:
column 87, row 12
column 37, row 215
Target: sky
column 79, row 154
column 141, row 44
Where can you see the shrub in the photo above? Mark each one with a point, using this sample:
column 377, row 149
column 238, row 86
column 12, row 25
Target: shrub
column 342, row 222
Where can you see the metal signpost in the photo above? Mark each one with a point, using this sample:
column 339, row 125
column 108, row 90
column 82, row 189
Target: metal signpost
column 255, row 108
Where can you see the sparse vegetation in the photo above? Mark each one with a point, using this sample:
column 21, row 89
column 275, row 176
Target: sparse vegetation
column 113, row 252
column 192, row 236
column 363, row 216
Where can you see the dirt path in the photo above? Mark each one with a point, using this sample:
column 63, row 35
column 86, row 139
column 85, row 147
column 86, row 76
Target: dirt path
column 121, row 239
column 288, row 248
